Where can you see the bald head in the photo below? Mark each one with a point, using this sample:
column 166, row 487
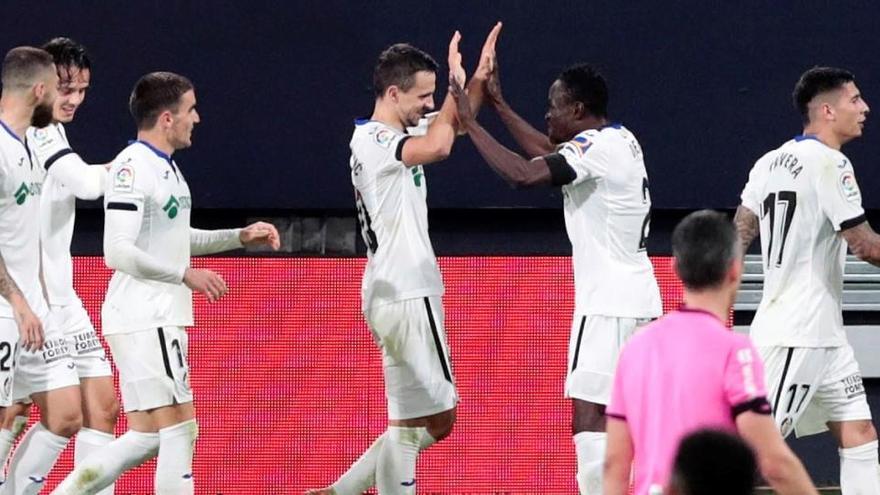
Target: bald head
column 25, row 66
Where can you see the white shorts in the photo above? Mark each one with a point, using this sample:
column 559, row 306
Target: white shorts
column 49, row 368
column 810, row 386
column 415, row 357
column 86, row 349
column 593, row 348
column 8, row 355
column 153, row 371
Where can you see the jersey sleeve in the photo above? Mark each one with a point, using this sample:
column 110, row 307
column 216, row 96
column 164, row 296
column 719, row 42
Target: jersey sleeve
column 751, row 193
column 128, row 190
column 617, row 405
column 744, row 386
column 585, row 158
column 838, row 194
column 380, row 150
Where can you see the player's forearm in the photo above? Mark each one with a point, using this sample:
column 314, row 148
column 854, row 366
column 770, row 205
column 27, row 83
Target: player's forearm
column 533, row 142
column 84, row 181
column 8, row 288
column 746, row 226
column 616, row 476
column 213, row 241
column 510, row 166
column 863, row 242
column 476, row 93
column 787, row 475
column 441, row 133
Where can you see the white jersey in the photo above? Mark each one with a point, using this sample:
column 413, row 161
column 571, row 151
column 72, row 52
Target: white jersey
column 607, row 216
column 393, row 215
column 146, row 198
column 804, row 193
column 21, row 183
column 67, row 178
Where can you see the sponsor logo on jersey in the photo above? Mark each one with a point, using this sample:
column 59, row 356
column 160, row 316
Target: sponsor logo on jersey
column 848, row 186
column 174, row 205
column 852, row 386
column 41, row 134
column 55, row 349
column 123, row 181
column 582, row 144
column 417, row 174
column 24, row 190
column 384, row 137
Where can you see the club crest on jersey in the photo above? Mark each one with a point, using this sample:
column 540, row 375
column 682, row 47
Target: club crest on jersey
column 848, row 186
column 41, row 134
column 123, row 181
column 384, row 137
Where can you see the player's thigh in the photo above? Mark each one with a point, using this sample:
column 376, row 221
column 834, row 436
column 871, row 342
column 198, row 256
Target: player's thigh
column 153, row 369
column 415, row 356
column 841, row 393
column 793, row 375
column 46, row 369
column 87, row 351
column 594, row 346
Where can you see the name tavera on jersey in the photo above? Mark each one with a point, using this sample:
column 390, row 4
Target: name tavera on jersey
column 788, row 162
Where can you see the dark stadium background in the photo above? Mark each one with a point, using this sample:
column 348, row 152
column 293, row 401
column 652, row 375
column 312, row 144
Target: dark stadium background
column 704, row 85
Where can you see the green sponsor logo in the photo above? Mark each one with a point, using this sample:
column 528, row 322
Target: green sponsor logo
column 21, row 194
column 171, row 207
column 417, row 175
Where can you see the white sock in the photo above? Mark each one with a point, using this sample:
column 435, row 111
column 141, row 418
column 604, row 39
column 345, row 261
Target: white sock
column 89, row 441
column 858, row 470
column 174, row 467
column 7, row 440
column 101, row 469
column 33, row 459
column 590, row 449
column 361, row 476
column 396, row 465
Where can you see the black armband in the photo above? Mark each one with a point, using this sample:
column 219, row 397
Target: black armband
column 758, row 405
column 398, row 153
column 852, row 222
column 561, row 172
column 54, row 158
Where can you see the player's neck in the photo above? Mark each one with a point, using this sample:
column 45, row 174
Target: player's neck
column 714, row 301
column 386, row 115
column 16, row 115
column 826, row 135
column 157, row 140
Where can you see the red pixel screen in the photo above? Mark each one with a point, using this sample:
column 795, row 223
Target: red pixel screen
column 288, row 382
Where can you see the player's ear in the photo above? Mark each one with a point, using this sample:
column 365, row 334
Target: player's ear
column 580, row 111
column 735, row 271
column 392, row 93
column 165, row 119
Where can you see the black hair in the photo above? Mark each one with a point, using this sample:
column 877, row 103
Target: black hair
column 398, row 65
column 153, row 94
column 711, row 462
column 704, row 245
column 586, row 85
column 68, row 54
column 817, row 81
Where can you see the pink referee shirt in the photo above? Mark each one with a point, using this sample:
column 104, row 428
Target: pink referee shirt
column 683, row 372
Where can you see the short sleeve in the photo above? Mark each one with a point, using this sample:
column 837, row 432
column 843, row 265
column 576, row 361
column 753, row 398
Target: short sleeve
column 744, row 386
column 128, row 185
column 839, row 196
column 617, row 405
column 379, row 150
column 751, row 193
column 585, row 157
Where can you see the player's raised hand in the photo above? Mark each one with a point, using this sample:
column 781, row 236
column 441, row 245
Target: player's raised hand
column 206, row 282
column 260, row 234
column 487, row 55
column 462, row 104
column 30, row 329
column 456, row 70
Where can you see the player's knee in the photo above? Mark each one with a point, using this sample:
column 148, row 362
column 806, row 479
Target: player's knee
column 865, row 432
column 102, row 416
column 587, row 416
column 65, row 424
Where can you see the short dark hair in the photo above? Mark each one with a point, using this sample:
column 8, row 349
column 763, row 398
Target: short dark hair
column 23, row 66
column 711, row 462
column 153, row 94
column 816, row 81
column 67, row 54
column 704, row 245
column 586, row 85
column 398, row 65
